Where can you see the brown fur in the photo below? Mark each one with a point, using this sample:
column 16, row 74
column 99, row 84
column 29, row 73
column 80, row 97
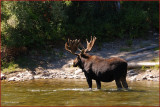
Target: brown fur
column 100, row 69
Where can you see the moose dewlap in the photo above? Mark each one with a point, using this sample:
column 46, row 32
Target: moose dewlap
column 97, row 68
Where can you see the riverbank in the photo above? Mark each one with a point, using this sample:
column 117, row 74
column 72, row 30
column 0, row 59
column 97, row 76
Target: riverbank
column 60, row 66
column 69, row 72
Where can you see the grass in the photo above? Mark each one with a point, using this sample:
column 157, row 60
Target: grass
column 155, row 59
column 20, row 63
column 31, row 61
column 156, row 67
column 9, row 67
column 156, row 49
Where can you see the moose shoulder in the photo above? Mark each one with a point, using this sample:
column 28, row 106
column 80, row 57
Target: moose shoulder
column 97, row 68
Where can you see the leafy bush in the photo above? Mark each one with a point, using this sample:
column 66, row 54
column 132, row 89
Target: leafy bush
column 37, row 24
column 31, row 24
column 135, row 22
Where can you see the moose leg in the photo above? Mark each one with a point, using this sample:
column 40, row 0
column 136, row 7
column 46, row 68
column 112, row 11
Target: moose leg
column 118, row 83
column 98, row 84
column 89, row 81
column 124, row 83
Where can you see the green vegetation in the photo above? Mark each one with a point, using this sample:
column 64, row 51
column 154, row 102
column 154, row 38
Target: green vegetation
column 155, row 60
column 144, row 68
column 9, row 67
column 36, row 24
column 39, row 24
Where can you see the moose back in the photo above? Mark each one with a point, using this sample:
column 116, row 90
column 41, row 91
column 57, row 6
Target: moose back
column 97, row 68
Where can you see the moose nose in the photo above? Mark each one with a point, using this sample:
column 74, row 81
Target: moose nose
column 74, row 65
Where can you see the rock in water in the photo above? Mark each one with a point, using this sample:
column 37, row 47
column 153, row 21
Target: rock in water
column 78, row 71
column 3, row 76
column 13, row 79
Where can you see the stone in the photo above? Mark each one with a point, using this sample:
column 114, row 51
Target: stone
column 64, row 77
column 151, row 76
column 133, row 78
column 77, row 77
column 148, row 70
column 39, row 70
column 78, row 71
column 3, row 76
column 131, row 73
column 13, row 79
column 70, row 77
column 138, row 79
column 145, row 77
column 37, row 77
column 46, row 73
column 155, row 79
column 149, row 79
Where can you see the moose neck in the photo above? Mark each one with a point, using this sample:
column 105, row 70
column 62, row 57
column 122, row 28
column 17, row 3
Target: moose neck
column 83, row 57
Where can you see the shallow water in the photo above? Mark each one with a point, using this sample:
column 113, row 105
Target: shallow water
column 63, row 92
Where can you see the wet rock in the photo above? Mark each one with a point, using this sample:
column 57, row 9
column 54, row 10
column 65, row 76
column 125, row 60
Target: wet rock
column 148, row 70
column 144, row 78
column 138, row 79
column 21, row 76
column 131, row 73
column 151, row 76
column 13, row 79
column 70, row 77
column 64, row 77
column 45, row 73
column 149, row 79
column 77, row 77
column 155, row 79
column 37, row 76
column 3, row 76
column 133, row 78
column 62, row 73
column 78, row 71
column 39, row 70
column 46, row 77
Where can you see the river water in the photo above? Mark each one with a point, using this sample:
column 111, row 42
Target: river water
column 63, row 92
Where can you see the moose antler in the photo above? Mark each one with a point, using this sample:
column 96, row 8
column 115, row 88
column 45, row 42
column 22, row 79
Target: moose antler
column 90, row 44
column 72, row 46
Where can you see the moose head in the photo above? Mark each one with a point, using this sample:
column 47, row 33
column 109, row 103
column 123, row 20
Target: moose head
column 73, row 45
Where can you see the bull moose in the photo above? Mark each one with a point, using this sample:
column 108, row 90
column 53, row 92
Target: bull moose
column 98, row 68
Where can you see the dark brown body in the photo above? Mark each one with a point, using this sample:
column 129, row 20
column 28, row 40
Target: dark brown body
column 105, row 70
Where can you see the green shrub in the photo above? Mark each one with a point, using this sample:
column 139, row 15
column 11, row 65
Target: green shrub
column 36, row 24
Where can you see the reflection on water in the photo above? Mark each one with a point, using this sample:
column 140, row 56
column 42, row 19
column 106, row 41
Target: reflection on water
column 75, row 93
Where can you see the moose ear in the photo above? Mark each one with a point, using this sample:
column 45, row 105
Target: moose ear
column 84, row 56
column 82, row 52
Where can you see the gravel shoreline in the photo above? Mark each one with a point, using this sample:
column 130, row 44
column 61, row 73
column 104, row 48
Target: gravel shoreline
column 69, row 72
column 62, row 68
